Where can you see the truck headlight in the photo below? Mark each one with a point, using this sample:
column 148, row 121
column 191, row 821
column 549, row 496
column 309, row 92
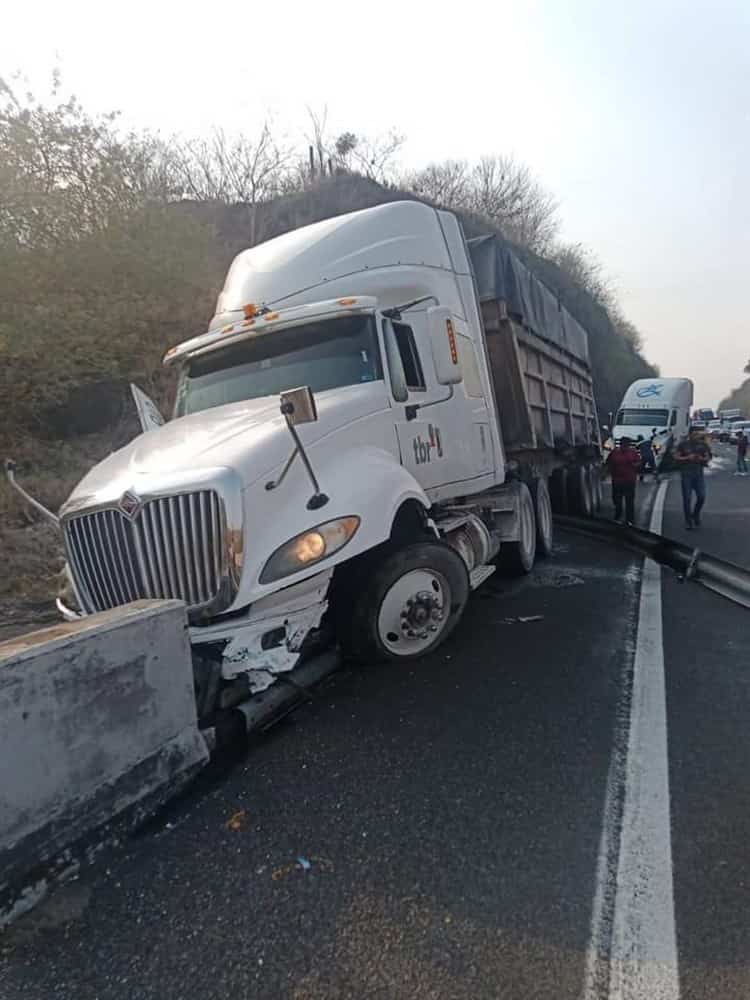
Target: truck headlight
column 309, row 548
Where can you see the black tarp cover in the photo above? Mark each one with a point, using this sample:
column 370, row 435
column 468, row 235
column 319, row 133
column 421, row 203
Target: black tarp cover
column 500, row 274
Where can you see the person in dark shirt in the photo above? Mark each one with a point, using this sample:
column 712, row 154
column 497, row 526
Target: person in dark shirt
column 692, row 457
column 623, row 464
column 648, row 458
column 741, row 454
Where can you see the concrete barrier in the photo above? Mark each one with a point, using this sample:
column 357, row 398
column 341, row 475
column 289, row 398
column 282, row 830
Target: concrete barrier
column 97, row 729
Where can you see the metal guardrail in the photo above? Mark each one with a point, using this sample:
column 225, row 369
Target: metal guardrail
column 725, row 578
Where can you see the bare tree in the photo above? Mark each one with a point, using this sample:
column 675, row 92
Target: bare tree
column 497, row 188
column 236, row 170
column 446, row 183
column 64, row 173
column 582, row 266
column 372, row 157
column 505, row 192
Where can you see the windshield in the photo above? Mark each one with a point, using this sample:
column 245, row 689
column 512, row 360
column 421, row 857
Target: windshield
column 641, row 418
column 322, row 355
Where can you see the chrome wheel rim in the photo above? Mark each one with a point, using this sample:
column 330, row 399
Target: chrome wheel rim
column 414, row 612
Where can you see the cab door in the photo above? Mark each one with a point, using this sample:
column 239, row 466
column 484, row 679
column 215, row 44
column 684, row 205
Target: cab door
column 434, row 425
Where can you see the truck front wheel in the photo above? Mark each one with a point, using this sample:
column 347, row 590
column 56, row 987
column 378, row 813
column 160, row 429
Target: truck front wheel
column 411, row 602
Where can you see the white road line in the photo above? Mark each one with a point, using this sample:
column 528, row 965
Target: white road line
column 633, row 916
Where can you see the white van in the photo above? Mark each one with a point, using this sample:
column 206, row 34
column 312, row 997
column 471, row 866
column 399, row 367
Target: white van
column 655, row 404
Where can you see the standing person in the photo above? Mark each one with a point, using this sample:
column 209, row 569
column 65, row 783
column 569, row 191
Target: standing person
column 655, row 450
column 692, row 457
column 648, row 459
column 623, row 464
column 741, row 454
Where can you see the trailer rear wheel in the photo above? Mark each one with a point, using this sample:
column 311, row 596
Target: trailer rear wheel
column 543, row 512
column 518, row 557
column 580, row 500
column 558, row 490
column 411, row 602
column 595, row 480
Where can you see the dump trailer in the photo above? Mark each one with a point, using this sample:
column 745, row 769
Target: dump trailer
column 378, row 416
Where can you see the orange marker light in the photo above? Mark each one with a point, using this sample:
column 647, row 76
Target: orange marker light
column 250, row 310
column 248, row 322
column 452, row 341
column 227, row 329
column 347, row 302
column 269, row 316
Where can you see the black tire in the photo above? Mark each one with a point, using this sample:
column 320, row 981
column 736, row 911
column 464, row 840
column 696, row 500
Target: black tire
column 558, row 490
column 543, row 514
column 579, row 491
column 595, row 484
column 361, row 638
column 517, row 558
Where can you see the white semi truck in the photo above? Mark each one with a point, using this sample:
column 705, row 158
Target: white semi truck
column 378, row 415
column 658, row 407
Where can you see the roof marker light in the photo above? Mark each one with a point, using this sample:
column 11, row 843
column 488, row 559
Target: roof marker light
column 347, row 302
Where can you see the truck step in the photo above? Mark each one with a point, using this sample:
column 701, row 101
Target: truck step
column 479, row 575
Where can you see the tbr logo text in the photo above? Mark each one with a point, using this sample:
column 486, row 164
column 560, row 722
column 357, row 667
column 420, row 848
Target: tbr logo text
column 423, row 449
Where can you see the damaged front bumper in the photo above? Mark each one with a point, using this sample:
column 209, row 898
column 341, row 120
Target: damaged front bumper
column 268, row 639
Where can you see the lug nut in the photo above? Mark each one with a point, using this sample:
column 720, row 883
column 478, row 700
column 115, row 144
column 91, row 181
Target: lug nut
column 422, row 635
column 433, row 628
column 404, row 626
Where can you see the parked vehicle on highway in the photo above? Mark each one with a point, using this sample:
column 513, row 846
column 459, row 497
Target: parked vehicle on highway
column 378, row 415
column 729, row 416
column 736, row 427
column 714, row 429
column 704, row 414
column 658, row 409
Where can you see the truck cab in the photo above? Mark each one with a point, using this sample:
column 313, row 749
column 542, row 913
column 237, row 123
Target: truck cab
column 655, row 407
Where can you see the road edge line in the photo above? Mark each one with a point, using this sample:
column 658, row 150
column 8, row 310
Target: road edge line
column 632, row 951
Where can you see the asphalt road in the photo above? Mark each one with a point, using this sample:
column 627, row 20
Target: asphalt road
column 437, row 832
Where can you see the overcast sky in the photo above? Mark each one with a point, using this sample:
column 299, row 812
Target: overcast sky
column 636, row 116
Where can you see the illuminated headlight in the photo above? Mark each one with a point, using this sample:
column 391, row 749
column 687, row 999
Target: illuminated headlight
column 309, row 548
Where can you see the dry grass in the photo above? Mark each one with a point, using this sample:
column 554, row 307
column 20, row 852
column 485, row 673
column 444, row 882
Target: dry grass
column 32, row 561
column 31, row 552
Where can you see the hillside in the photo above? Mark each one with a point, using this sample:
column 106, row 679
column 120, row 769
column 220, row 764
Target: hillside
column 88, row 310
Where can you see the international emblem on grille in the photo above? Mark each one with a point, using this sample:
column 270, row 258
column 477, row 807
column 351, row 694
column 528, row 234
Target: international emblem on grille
column 129, row 504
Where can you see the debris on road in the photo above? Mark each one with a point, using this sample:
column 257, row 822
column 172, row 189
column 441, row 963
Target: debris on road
column 237, row 820
column 520, row 620
column 302, row 864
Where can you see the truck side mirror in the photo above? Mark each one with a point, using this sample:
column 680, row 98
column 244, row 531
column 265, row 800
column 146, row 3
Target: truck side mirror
column 444, row 346
column 298, row 405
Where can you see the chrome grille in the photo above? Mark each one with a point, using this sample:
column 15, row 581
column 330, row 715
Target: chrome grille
column 172, row 548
